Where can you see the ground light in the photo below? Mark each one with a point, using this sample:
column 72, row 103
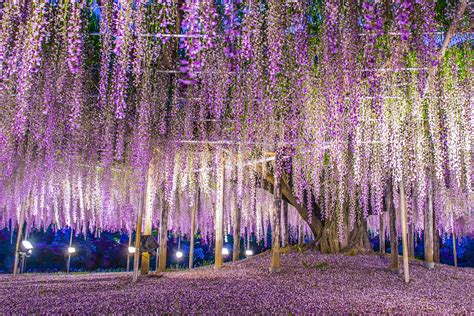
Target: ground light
column 130, row 251
column 26, row 248
column 225, row 251
column 179, row 254
column 70, row 251
column 248, row 252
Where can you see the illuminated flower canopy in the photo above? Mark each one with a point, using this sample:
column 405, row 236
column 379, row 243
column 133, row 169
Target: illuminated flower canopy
column 342, row 96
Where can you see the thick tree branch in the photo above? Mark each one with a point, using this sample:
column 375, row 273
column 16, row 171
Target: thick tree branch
column 316, row 225
column 449, row 35
column 452, row 30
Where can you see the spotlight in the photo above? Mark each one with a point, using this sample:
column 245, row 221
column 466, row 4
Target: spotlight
column 225, row 251
column 26, row 248
column 27, row 245
column 248, row 252
column 71, row 250
column 179, row 254
column 131, row 250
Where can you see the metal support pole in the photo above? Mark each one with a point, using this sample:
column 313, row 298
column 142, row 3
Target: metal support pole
column 128, row 253
column 275, row 265
column 382, row 232
column 455, row 252
column 136, row 257
column 403, row 211
column 148, row 202
column 68, row 253
column 193, row 225
column 284, row 224
column 164, row 234
column 394, row 266
column 237, row 228
column 300, row 231
column 219, row 226
column 18, row 239
column 428, row 229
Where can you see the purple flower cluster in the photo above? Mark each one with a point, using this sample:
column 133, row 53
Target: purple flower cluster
column 74, row 38
column 335, row 114
column 404, row 12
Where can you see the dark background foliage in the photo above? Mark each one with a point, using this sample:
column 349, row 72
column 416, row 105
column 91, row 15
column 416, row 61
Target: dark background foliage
column 108, row 251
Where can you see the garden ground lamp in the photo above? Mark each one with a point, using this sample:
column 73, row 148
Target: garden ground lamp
column 70, row 251
column 25, row 250
column 179, row 253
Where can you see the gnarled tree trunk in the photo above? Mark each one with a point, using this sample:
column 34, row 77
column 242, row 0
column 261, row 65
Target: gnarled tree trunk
column 325, row 234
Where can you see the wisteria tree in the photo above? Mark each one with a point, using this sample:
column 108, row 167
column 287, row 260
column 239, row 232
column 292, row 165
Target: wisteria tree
column 346, row 110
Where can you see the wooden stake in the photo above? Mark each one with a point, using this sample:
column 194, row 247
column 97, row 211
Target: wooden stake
column 219, row 228
column 193, row 224
column 428, row 229
column 382, row 233
column 284, row 224
column 275, row 265
column 403, row 211
column 164, row 235
column 18, row 239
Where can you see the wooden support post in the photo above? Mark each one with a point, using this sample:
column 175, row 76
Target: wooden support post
column 148, row 205
column 382, row 232
column 164, row 235
column 403, row 211
column 193, row 225
column 138, row 233
column 428, row 229
column 219, row 224
column 236, row 232
column 18, row 238
column 395, row 266
column 284, row 224
column 275, row 265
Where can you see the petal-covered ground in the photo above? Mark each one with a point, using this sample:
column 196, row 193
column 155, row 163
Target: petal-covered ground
column 308, row 283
